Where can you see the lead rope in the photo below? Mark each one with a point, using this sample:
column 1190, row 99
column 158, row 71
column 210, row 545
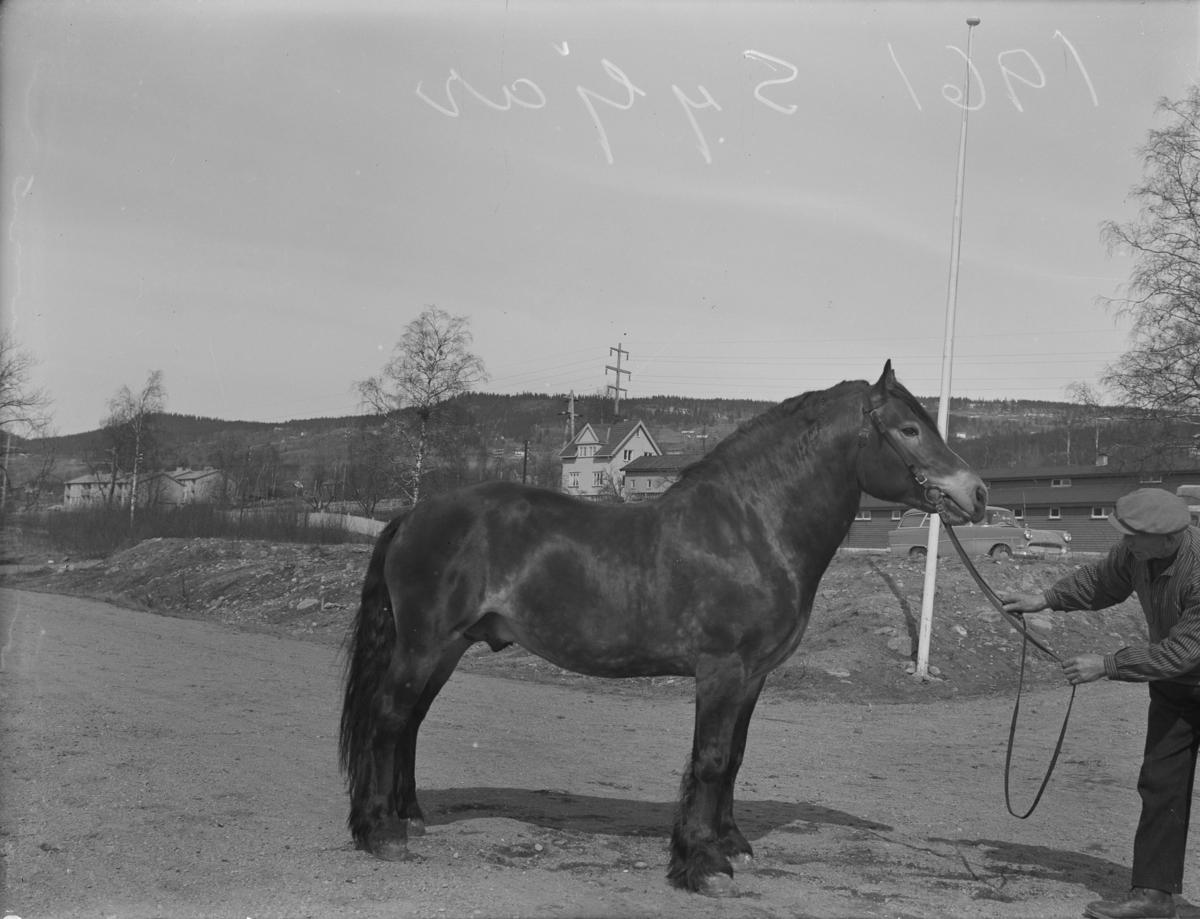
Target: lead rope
column 1027, row 639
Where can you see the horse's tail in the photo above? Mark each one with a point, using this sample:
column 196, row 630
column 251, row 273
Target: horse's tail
column 368, row 648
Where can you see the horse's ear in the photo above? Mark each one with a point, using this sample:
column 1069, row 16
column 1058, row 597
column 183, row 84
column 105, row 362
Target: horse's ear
column 886, row 380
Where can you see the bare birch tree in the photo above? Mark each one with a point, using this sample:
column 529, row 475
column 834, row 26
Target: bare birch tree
column 430, row 365
column 130, row 427
column 24, row 408
column 1088, row 408
column 1160, row 373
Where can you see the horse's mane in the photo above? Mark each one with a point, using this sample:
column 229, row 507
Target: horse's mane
column 804, row 409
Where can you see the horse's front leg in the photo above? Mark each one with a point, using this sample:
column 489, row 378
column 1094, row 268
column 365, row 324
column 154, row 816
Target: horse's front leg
column 697, row 860
column 405, row 761
column 375, row 818
column 729, row 837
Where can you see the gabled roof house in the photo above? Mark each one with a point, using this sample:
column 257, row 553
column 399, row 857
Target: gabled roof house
column 593, row 460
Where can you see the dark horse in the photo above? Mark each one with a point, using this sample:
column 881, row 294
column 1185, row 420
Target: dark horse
column 715, row 580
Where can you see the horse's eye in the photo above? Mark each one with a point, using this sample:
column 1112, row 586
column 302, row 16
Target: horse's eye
column 911, row 431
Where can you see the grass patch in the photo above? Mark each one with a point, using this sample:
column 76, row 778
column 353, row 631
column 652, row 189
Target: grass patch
column 96, row 532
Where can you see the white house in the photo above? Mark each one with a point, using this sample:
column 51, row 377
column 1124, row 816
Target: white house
column 592, row 466
column 93, row 489
column 190, row 486
column 183, row 486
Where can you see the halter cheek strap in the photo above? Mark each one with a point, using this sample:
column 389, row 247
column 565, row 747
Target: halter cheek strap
column 871, row 416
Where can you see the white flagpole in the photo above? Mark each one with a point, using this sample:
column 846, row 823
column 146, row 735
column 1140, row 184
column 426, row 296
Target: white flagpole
column 947, row 368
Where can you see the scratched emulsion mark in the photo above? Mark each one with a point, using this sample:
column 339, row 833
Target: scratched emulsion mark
column 1015, row 64
column 21, row 188
column 769, row 60
column 587, row 95
column 688, row 106
column 904, row 77
column 953, row 93
column 1010, row 75
column 509, row 96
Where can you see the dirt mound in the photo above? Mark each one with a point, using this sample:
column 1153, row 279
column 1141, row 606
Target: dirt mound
column 860, row 642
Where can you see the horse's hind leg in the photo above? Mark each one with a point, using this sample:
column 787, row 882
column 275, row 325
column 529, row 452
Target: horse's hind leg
column 697, row 860
column 729, row 837
column 405, row 774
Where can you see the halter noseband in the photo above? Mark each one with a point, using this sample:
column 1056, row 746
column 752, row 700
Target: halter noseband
column 871, row 407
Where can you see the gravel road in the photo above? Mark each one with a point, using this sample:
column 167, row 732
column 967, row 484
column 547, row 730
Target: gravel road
column 154, row 766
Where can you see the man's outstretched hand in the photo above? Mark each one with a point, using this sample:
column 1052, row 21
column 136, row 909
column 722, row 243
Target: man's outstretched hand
column 1084, row 668
column 1017, row 602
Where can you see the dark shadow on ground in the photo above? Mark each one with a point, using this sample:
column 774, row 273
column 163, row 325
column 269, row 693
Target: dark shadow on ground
column 1107, row 879
column 562, row 810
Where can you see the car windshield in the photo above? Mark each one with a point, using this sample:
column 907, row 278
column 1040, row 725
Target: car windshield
column 999, row 517
column 914, row 520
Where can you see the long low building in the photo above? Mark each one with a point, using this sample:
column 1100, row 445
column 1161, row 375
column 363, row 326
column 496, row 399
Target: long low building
column 157, row 487
column 1077, row 499
column 649, row 476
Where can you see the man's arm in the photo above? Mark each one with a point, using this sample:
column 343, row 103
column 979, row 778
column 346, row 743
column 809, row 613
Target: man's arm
column 1097, row 586
column 1093, row 587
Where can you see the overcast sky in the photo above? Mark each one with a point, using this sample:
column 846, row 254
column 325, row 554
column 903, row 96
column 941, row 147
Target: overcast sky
column 256, row 197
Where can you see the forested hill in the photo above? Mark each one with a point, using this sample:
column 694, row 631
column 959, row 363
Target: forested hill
column 514, row 416
column 996, row 432
column 173, row 428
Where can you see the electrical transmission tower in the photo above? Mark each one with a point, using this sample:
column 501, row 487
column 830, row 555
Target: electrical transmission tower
column 617, row 388
column 570, row 413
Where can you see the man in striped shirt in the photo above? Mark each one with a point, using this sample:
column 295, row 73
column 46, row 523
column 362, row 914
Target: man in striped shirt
column 1158, row 557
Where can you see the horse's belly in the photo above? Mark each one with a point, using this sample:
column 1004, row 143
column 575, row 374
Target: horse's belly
column 604, row 646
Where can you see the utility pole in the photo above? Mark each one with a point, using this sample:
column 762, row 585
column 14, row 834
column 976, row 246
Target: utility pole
column 525, row 463
column 570, row 413
column 617, row 387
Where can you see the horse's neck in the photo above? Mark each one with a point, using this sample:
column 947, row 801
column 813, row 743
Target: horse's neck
column 801, row 474
column 823, row 485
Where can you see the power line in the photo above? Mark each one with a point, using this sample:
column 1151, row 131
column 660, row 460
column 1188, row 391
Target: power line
column 1024, row 334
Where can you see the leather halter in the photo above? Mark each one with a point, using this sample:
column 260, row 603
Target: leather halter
column 871, row 416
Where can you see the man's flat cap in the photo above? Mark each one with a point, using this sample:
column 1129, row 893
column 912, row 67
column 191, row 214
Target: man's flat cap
column 1150, row 512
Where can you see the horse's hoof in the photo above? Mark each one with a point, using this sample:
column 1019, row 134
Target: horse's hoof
column 744, row 863
column 416, row 827
column 391, row 850
column 718, row 885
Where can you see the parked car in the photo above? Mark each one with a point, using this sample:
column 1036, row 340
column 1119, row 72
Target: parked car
column 999, row 535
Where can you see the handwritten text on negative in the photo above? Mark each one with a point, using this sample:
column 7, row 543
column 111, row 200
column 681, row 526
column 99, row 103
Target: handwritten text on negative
column 1015, row 65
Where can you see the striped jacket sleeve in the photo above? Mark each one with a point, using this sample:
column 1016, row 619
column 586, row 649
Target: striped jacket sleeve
column 1098, row 586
